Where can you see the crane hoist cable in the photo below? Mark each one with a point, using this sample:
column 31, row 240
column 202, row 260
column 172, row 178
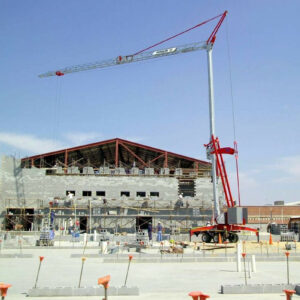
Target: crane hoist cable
column 57, row 108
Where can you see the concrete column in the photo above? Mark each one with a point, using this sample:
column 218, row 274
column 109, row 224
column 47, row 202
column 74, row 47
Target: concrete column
column 253, row 263
column 238, row 257
column 104, row 247
column 95, row 236
column 249, row 269
column 65, row 227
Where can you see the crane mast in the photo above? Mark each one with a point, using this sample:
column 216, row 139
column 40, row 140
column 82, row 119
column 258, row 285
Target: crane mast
column 212, row 129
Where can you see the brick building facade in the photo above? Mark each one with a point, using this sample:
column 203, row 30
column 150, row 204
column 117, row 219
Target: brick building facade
column 268, row 214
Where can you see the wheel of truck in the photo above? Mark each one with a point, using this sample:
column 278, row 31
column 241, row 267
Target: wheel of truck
column 233, row 238
column 206, row 238
column 216, row 238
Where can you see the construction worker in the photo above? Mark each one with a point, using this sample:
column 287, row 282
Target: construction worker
column 159, row 232
column 70, row 227
column 150, row 231
column 257, row 234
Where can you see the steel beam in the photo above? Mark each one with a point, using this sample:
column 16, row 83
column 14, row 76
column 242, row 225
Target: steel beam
column 133, row 154
column 156, row 158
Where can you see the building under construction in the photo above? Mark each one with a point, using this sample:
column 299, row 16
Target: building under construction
column 114, row 184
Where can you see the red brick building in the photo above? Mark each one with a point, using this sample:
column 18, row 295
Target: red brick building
column 279, row 214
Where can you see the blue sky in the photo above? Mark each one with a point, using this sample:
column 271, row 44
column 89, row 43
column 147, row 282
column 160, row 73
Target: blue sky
column 163, row 102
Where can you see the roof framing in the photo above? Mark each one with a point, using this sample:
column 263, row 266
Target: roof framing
column 117, row 152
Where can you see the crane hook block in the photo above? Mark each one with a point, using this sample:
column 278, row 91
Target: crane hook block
column 59, row 73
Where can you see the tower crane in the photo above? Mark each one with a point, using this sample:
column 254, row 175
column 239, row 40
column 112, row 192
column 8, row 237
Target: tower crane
column 225, row 225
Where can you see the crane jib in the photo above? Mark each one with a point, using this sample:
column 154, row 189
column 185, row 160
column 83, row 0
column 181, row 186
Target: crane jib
column 122, row 59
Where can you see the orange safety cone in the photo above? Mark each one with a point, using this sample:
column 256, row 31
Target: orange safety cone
column 270, row 239
column 220, row 239
column 3, row 288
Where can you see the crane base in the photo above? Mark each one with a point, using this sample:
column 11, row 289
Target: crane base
column 220, row 232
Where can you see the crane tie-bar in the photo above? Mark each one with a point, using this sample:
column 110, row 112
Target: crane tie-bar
column 185, row 31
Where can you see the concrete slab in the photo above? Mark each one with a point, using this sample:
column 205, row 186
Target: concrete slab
column 83, row 291
column 155, row 280
column 256, row 288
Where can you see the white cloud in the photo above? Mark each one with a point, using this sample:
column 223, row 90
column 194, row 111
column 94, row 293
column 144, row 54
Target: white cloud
column 79, row 138
column 277, row 181
column 30, row 143
column 249, row 187
column 289, row 165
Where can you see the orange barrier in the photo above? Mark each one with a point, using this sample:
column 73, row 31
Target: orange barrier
column 198, row 295
column 3, row 288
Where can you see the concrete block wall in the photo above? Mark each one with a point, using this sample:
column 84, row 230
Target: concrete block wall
column 29, row 185
column 204, row 195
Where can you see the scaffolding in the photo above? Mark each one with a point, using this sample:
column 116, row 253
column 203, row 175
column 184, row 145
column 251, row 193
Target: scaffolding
column 116, row 218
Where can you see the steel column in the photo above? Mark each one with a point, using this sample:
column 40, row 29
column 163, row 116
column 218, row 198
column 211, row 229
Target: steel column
column 66, row 161
column 117, row 154
column 212, row 127
column 166, row 160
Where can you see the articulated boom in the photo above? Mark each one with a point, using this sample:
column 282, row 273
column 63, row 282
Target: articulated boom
column 214, row 149
column 222, row 229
